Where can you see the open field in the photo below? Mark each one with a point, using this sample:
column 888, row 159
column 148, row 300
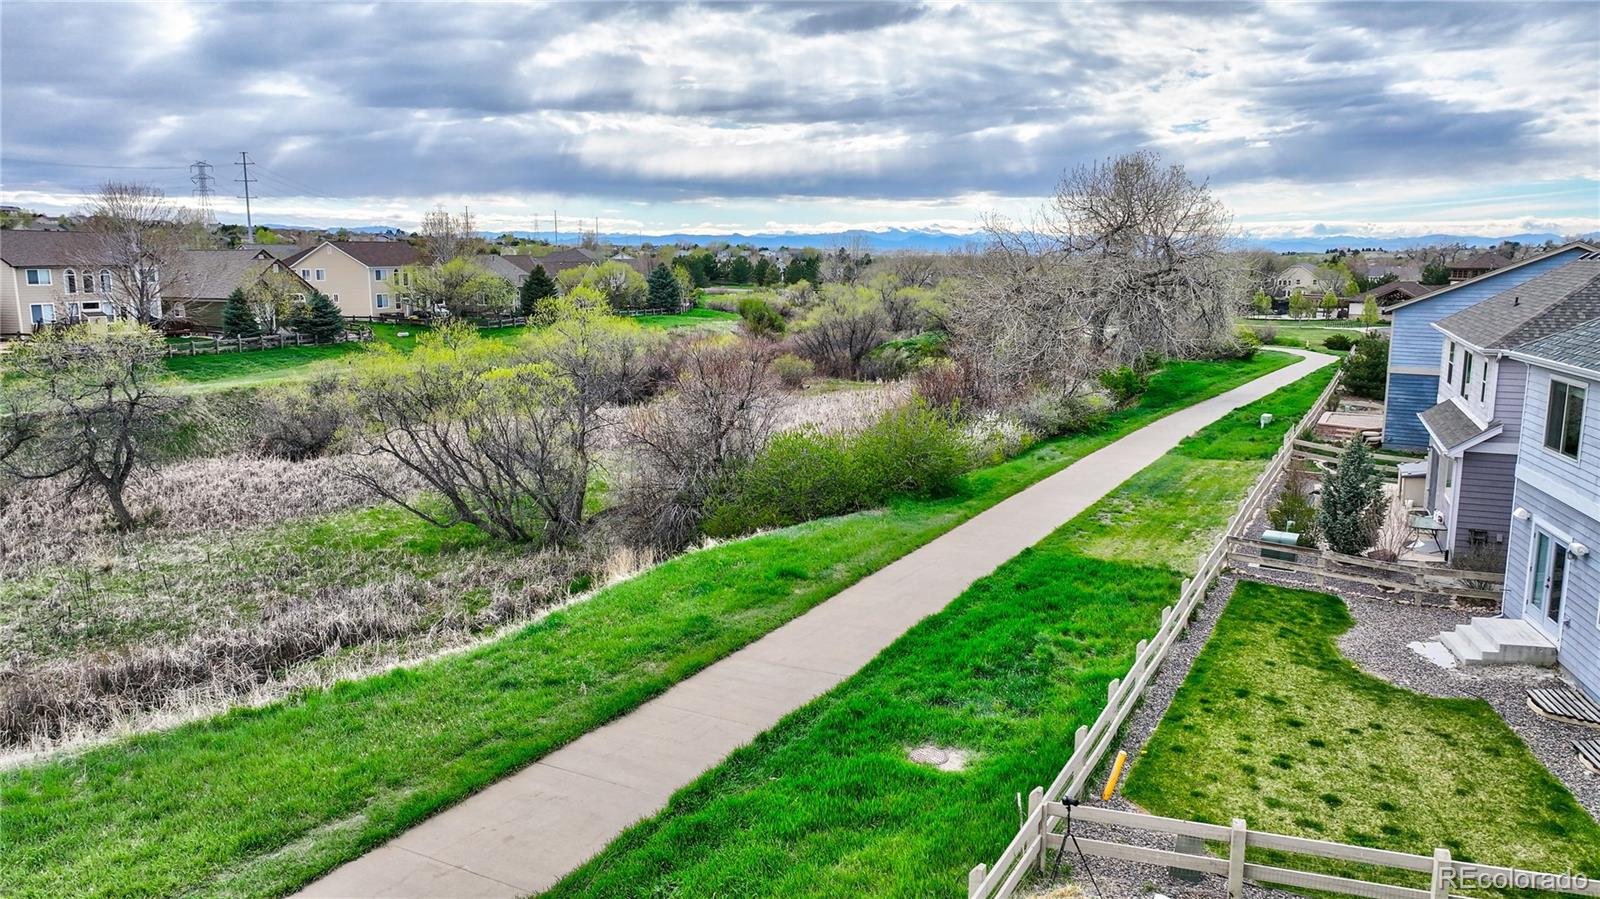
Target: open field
column 827, row 804
column 1310, row 333
column 292, row 789
column 1275, row 726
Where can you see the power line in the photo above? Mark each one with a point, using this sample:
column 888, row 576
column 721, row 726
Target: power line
column 244, row 160
column 85, row 165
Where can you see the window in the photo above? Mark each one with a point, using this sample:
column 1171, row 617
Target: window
column 39, row 277
column 72, row 281
column 1563, row 419
column 105, row 280
column 43, row 313
column 383, row 301
column 1466, row 372
column 1483, row 382
column 322, row 274
column 305, row 273
column 1450, row 363
column 87, row 277
column 377, row 274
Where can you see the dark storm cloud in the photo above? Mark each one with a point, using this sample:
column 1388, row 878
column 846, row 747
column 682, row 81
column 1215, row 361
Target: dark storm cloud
column 870, row 100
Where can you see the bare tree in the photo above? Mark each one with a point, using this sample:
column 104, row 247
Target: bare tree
column 135, row 249
column 839, row 332
column 1129, row 259
column 724, row 408
column 88, row 405
column 445, row 237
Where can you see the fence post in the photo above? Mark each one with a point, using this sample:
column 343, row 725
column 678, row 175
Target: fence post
column 975, row 878
column 1440, row 884
column 1036, row 799
column 1236, row 841
column 1111, row 688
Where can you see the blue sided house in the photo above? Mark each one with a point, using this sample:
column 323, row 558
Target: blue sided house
column 1417, row 348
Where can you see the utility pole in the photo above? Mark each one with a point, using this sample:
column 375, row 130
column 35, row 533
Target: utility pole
column 200, row 174
column 557, row 241
column 244, row 161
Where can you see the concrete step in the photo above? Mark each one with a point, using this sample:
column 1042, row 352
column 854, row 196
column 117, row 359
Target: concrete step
column 1499, row 641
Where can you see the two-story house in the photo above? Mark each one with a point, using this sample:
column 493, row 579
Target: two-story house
column 53, row 276
column 358, row 275
column 1302, row 277
column 1474, row 428
column 211, row 275
column 1416, row 348
column 1553, row 564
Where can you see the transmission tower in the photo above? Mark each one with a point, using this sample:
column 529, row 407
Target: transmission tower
column 200, row 174
column 244, row 161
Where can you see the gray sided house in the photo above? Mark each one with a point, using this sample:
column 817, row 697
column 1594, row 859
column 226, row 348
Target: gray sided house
column 1553, row 558
column 1416, row 347
column 1474, row 430
column 209, row 276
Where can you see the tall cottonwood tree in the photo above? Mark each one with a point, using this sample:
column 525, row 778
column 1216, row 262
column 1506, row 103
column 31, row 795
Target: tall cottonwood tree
column 136, row 241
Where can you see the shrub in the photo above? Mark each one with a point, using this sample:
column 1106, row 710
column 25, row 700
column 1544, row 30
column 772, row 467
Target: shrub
column 1246, row 336
column 1295, row 511
column 946, row 384
column 1049, row 413
column 1125, row 384
column 298, row 424
column 915, row 450
column 1352, row 502
column 1266, row 335
column 760, row 319
column 792, row 371
column 1339, row 342
column 1366, row 370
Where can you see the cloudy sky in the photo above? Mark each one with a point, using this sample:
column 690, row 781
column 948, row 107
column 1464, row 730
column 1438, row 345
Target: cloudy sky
column 1373, row 118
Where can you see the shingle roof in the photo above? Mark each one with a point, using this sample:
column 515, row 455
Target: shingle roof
column 213, row 274
column 19, row 248
column 1449, row 425
column 504, row 266
column 1578, row 347
column 1488, row 259
column 1552, row 302
column 1584, row 246
column 1407, row 289
column 380, row 252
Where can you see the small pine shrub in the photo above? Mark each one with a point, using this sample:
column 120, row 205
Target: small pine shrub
column 1366, row 369
column 1339, row 342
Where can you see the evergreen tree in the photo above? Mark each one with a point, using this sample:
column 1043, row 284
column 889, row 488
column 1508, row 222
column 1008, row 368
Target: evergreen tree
column 665, row 293
column 321, row 320
column 1435, row 273
column 1352, row 502
column 238, row 320
column 535, row 287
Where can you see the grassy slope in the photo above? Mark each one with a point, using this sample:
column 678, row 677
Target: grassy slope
column 258, row 801
column 826, row 804
column 1275, row 726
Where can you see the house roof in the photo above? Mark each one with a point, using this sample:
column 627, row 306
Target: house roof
column 504, row 266
column 1451, row 427
column 1488, row 259
column 1574, row 348
column 1575, row 245
column 1406, row 290
column 372, row 253
column 44, row 248
column 213, row 274
column 1550, row 303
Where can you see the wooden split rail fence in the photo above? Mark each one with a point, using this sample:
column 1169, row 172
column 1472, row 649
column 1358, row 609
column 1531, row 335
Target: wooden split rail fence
column 1326, row 455
column 1411, row 577
column 1038, row 837
column 203, row 346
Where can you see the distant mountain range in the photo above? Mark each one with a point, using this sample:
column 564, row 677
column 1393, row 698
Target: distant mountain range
column 937, row 240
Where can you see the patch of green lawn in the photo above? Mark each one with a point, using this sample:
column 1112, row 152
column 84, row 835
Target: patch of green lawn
column 1239, row 435
column 259, row 801
column 1275, row 726
column 696, row 317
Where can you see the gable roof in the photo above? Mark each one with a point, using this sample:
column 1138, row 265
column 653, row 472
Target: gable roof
column 1452, row 427
column 1550, row 303
column 44, row 248
column 1408, row 290
column 1574, row 348
column 1575, row 245
column 371, row 253
column 213, row 274
column 1487, row 259
column 503, row 266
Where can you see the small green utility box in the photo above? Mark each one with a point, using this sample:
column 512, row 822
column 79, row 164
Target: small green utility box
column 1284, row 538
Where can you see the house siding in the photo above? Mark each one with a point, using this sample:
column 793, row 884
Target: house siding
column 1562, row 494
column 1486, row 487
column 1512, row 380
column 1416, row 347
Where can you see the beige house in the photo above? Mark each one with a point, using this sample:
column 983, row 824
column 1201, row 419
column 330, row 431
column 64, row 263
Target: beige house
column 358, row 275
column 1301, row 277
column 49, row 276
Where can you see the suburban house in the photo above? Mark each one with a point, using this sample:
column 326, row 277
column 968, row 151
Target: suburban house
column 1552, row 570
column 358, row 275
column 1474, row 430
column 1475, row 266
column 1417, row 349
column 51, row 276
column 210, row 275
column 512, row 268
column 1389, row 295
column 1302, row 277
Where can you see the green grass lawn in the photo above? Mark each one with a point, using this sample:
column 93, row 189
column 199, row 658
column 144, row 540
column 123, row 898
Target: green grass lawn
column 259, row 801
column 1310, row 333
column 698, row 317
column 826, row 803
column 1274, row 726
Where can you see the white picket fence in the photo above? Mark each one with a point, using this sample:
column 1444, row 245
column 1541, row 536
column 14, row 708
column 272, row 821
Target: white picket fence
column 1037, row 838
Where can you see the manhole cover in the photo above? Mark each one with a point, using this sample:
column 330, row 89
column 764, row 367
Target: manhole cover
column 941, row 757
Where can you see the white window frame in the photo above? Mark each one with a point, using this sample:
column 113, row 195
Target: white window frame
column 43, row 318
column 383, row 301
column 1450, row 363
column 86, row 281
column 305, row 274
column 37, row 277
column 1545, row 430
column 1467, row 359
column 322, row 274
column 377, row 274
column 105, row 280
column 72, row 281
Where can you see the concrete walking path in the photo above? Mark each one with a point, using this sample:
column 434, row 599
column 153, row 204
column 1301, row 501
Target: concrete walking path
column 526, row 832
